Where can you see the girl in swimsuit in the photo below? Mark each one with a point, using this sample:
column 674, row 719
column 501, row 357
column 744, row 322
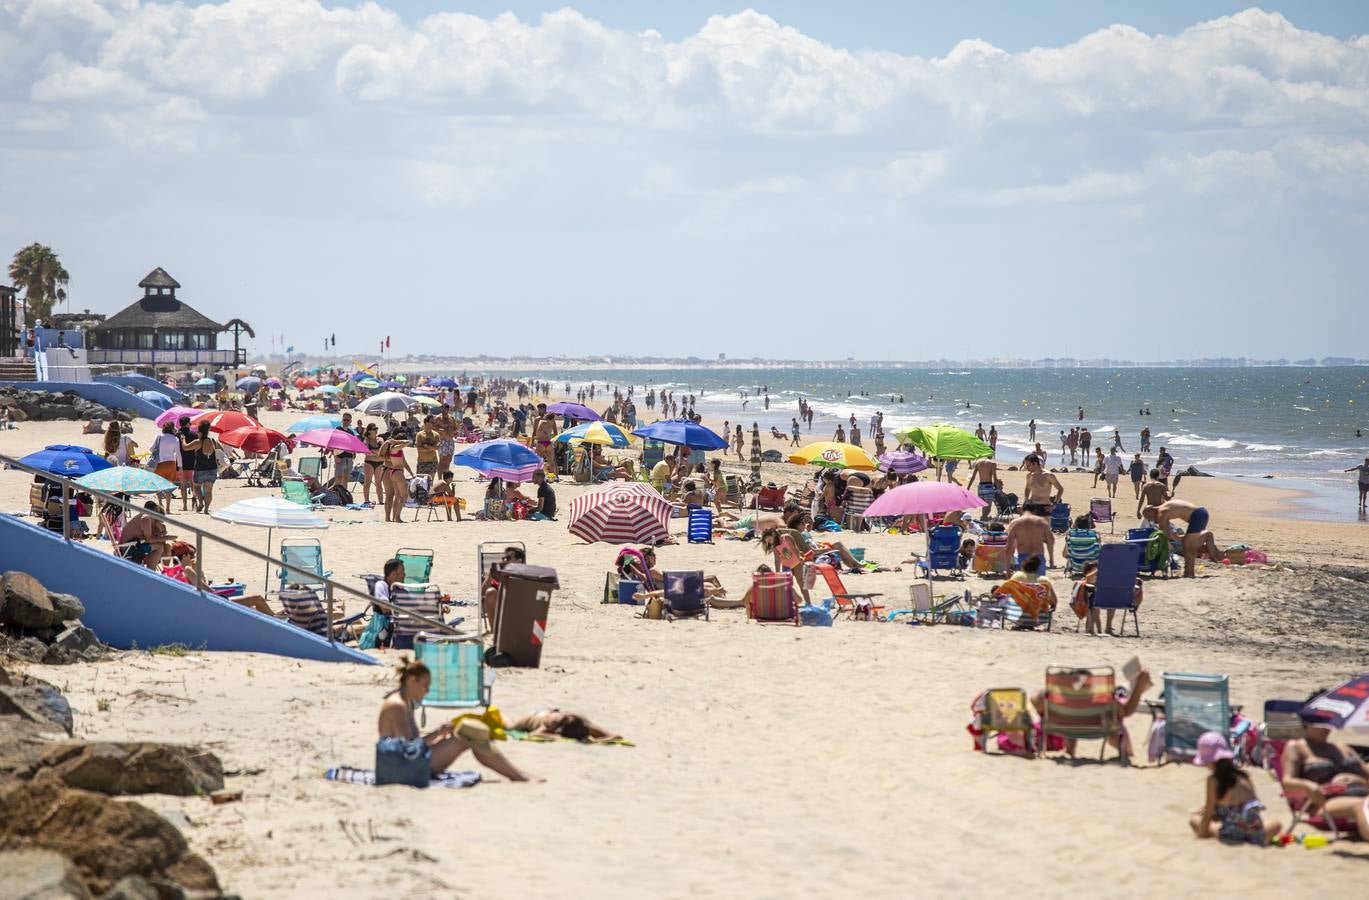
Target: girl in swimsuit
column 1231, row 812
column 1331, row 776
column 396, row 470
column 374, row 465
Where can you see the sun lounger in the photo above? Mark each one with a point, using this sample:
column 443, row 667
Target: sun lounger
column 423, row 599
column 418, row 564
column 1081, row 546
column 700, row 530
column 1116, row 583
column 991, row 554
column 1029, row 608
column 1281, row 725
column 772, row 598
column 943, row 550
column 858, row 499
column 771, row 497
column 297, row 491
column 1195, row 704
column 1060, row 518
column 1080, row 705
column 460, row 679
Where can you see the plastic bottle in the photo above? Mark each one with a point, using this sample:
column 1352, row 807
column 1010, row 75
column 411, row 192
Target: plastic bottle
column 1314, row 841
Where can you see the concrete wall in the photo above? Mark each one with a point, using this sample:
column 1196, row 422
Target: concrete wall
column 110, row 395
column 143, row 383
column 127, row 603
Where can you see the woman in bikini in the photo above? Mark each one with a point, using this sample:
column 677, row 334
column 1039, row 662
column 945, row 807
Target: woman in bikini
column 395, row 475
column 1231, row 812
column 375, row 465
column 1332, row 776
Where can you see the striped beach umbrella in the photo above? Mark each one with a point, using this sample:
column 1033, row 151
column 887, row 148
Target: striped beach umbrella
column 126, row 480
column 604, row 433
column 269, row 513
column 755, row 453
column 620, row 513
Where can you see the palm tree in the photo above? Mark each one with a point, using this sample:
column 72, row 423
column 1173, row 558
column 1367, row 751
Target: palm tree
column 40, row 273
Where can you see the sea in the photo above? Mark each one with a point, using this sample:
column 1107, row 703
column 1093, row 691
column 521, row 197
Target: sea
column 1298, row 425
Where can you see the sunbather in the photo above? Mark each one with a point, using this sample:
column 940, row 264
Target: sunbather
column 1232, row 811
column 563, row 724
column 150, row 536
column 1332, row 776
column 444, row 743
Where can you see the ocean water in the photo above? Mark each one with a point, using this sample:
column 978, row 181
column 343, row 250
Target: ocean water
column 1297, row 424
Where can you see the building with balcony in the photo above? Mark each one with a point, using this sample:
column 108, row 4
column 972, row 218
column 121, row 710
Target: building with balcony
column 160, row 329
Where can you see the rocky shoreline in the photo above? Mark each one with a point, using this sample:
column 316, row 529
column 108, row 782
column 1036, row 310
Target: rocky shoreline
column 51, row 406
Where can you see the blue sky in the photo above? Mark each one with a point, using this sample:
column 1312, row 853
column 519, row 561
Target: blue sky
column 878, row 180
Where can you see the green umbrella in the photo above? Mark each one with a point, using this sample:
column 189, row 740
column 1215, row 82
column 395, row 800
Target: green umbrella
column 945, row 442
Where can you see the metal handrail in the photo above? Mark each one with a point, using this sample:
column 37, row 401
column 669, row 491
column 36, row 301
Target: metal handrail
column 329, row 585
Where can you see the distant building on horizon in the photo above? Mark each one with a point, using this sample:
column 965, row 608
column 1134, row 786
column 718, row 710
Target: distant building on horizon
column 159, row 329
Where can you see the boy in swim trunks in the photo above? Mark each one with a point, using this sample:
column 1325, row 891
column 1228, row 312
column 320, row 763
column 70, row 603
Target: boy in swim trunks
column 1197, row 538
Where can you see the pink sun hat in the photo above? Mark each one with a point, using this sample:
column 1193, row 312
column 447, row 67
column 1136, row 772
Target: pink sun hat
column 1212, row 747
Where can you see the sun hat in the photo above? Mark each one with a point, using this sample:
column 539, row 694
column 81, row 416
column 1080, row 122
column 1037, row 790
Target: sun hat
column 1212, row 747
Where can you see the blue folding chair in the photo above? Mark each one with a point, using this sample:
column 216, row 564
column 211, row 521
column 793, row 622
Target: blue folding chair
column 700, row 525
column 684, row 595
column 1194, row 705
column 460, row 679
column 1114, row 587
column 1060, row 518
column 943, row 550
column 303, row 553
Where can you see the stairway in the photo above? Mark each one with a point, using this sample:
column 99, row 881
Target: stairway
column 17, row 368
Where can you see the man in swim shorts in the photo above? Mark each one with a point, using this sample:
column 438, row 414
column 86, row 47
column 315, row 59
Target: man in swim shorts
column 1043, row 490
column 445, row 424
column 1197, row 538
column 985, row 471
column 1363, row 480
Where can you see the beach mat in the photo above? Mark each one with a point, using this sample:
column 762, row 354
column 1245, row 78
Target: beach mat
column 348, row 775
column 554, row 738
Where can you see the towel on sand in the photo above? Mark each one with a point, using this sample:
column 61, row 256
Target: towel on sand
column 349, row 775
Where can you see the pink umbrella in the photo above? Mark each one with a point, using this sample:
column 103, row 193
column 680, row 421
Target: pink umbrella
column 174, row 414
column 923, row 498
column 333, row 439
column 521, row 473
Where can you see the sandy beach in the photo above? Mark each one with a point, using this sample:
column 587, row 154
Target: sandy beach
column 769, row 761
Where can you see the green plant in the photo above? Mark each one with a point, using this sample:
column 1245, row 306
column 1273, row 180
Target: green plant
column 102, row 704
column 41, row 274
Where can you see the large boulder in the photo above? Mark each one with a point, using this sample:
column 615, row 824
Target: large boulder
column 40, row 875
column 107, row 839
column 134, row 768
column 77, row 638
column 66, row 607
column 36, row 702
column 26, row 601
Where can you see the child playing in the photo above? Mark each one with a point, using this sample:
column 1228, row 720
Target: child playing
column 1231, row 812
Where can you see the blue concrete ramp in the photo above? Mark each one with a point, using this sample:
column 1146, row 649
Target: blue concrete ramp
column 128, row 604
column 143, row 383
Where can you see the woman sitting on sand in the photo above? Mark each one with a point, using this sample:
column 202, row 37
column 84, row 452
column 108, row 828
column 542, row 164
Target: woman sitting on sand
column 1331, row 776
column 402, row 748
column 1231, row 812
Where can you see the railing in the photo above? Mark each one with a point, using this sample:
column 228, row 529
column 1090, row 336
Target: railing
column 160, row 357
column 330, row 587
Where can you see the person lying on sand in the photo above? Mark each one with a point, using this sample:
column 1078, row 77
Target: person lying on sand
column 443, row 743
column 563, row 724
column 1232, row 811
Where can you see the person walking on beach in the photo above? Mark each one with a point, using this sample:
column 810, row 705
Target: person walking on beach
column 1145, row 439
column 1064, row 445
column 1117, row 441
column 1137, row 471
column 737, row 442
column 1031, row 431
column 993, row 437
column 1112, row 471
column 979, row 432
column 445, row 424
column 855, row 434
column 794, row 433
column 1363, row 471
column 839, row 436
column 1073, row 442
column 1085, row 442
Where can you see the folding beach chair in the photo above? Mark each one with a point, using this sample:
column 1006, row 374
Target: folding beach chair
column 771, row 497
column 297, row 491
column 418, row 564
column 700, row 529
column 1116, row 582
column 652, row 453
column 1281, row 725
column 923, row 607
column 736, row 490
column 1006, row 710
column 943, row 550
column 1195, row 704
column 991, row 554
column 772, row 598
column 1006, row 504
column 303, row 609
column 1100, row 510
column 1080, row 706
column 1082, row 545
column 858, row 499
column 852, row 604
column 423, row 599
column 1029, row 609
column 303, row 553
column 460, row 679
column 1060, row 518
column 311, row 467
column 684, row 595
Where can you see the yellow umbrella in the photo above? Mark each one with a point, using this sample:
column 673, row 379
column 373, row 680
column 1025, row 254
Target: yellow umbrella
column 425, row 401
column 833, row 455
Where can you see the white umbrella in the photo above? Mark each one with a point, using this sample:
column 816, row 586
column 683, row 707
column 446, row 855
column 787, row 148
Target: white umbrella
column 385, row 402
column 269, row 513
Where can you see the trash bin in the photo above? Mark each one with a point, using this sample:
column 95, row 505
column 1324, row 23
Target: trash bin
column 520, row 613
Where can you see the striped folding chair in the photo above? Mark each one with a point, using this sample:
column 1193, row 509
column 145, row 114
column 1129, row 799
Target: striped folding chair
column 772, row 598
column 303, row 609
column 1080, row 705
column 858, row 499
column 700, row 525
column 423, row 599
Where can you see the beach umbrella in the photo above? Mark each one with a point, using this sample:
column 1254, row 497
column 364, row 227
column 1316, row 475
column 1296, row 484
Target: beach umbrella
column 126, row 480
column 157, row 399
column 206, row 382
column 571, row 411
column 310, row 423
column 441, row 381
column 755, row 453
column 392, row 384
column 620, row 512
column 605, row 434
column 329, row 389
column 903, row 462
column 522, row 473
column 255, row 439
column 465, row 388
column 333, row 439
column 424, row 401
column 682, row 433
column 270, row 513
column 274, row 384
column 367, row 384
column 497, row 454
column 250, row 383
column 305, row 384
column 945, row 442
column 923, row 498
column 176, row 413
column 1344, row 706
column 67, row 459
column 381, row 404
column 223, row 420
column 833, row 455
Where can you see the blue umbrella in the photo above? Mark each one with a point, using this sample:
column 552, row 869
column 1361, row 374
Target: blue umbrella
column 574, row 411
column 498, row 454
column 466, row 387
column 68, row 460
column 250, row 383
column 442, row 382
column 309, row 423
column 157, row 399
column 392, row 385
column 683, row 433
column 206, row 382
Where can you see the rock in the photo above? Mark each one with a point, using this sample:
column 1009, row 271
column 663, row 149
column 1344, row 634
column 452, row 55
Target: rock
column 40, row 875
column 77, row 638
column 4, row 677
column 38, row 702
column 133, row 887
column 66, row 606
column 134, row 768
column 107, row 839
column 29, row 649
column 26, row 601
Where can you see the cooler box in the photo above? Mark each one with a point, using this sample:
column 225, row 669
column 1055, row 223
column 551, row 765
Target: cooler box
column 627, row 589
column 520, row 614
column 229, row 589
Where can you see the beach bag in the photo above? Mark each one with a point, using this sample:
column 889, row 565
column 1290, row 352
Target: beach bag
column 401, row 761
column 816, row 615
column 376, row 633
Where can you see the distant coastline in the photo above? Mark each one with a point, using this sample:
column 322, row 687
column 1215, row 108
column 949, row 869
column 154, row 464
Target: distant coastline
column 423, row 363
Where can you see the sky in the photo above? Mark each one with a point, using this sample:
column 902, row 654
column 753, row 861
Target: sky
column 879, row 180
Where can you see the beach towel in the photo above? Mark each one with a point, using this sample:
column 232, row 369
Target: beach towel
column 349, row 775
column 550, row 738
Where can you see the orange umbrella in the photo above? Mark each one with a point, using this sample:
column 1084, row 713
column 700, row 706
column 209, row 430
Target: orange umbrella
column 305, row 384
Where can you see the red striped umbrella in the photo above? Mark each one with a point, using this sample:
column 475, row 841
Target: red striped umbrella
column 620, row 513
